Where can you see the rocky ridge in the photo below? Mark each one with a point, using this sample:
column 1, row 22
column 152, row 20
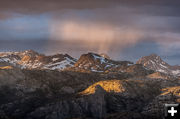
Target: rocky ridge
column 155, row 63
column 32, row 60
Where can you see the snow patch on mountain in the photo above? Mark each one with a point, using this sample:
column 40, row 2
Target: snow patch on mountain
column 55, row 59
column 176, row 72
column 60, row 65
column 102, row 59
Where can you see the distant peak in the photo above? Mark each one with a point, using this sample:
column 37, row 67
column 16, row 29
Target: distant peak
column 154, row 62
column 90, row 55
column 151, row 57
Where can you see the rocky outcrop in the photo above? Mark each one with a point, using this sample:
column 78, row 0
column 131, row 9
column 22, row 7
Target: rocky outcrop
column 169, row 95
column 90, row 106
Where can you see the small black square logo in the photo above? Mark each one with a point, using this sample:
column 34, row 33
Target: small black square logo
column 172, row 111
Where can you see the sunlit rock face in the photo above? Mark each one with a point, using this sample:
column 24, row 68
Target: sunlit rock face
column 108, row 86
column 94, row 62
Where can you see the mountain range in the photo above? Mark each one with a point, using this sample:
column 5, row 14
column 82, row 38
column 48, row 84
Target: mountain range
column 36, row 86
column 88, row 62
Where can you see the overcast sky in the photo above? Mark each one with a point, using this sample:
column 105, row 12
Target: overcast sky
column 124, row 29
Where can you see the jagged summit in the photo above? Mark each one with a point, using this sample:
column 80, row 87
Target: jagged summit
column 152, row 61
column 154, row 55
column 94, row 62
column 93, row 57
column 155, row 62
column 30, row 53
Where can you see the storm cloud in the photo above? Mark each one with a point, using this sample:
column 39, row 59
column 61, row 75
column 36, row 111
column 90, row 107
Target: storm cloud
column 125, row 29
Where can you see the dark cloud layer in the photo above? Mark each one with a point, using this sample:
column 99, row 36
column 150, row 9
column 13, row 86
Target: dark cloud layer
column 21, row 45
column 39, row 6
column 33, row 6
column 125, row 29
